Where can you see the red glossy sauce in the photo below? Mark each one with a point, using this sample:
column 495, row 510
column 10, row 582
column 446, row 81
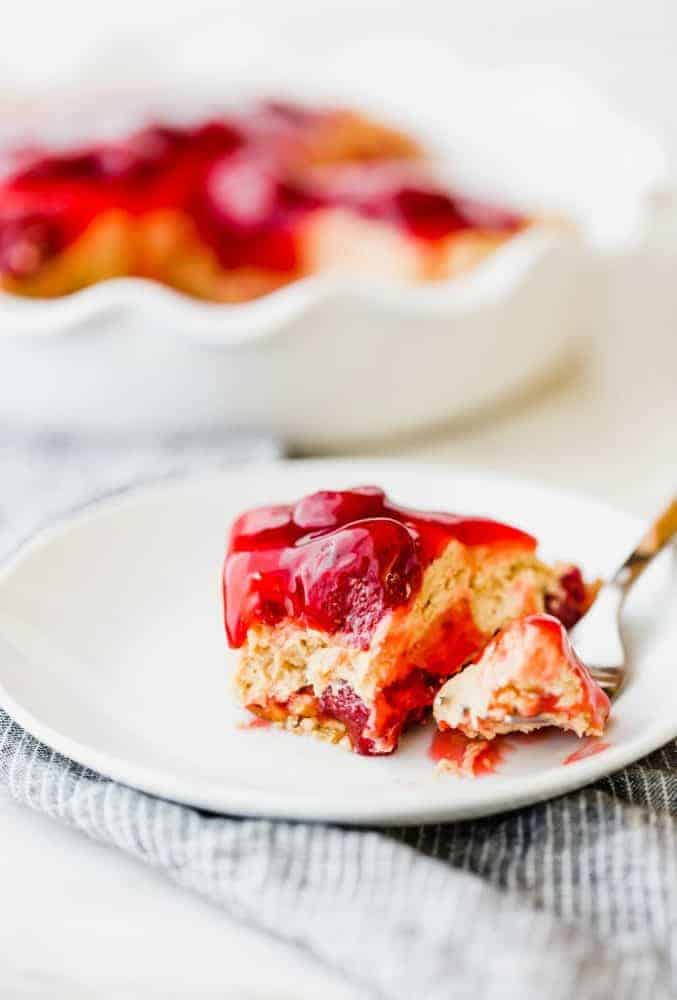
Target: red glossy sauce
column 256, row 722
column 339, row 561
column 235, row 178
column 568, row 606
column 158, row 168
column 343, row 704
column 589, row 749
column 593, row 698
column 474, row 758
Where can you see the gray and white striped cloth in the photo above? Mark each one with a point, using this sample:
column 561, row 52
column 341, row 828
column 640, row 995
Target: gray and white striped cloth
column 572, row 898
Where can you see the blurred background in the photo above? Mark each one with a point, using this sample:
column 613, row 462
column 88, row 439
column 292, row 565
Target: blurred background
column 604, row 420
column 626, row 50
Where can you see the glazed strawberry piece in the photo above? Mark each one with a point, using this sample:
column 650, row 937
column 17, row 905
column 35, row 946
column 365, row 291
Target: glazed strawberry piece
column 249, row 214
column 341, row 703
column 367, row 607
column 571, row 599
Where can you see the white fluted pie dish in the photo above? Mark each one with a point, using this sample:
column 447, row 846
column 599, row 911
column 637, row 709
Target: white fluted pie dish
column 328, row 361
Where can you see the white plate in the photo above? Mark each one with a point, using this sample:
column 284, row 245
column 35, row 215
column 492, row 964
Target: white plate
column 112, row 651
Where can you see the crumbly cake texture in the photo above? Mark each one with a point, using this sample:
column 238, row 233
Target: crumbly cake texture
column 232, row 209
column 529, row 669
column 360, row 685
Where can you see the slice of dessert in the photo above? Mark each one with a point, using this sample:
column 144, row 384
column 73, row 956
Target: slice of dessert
column 233, row 207
column 350, row 612
column 529, row 669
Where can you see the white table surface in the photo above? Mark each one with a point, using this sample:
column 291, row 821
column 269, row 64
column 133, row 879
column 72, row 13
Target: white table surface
column 83, row 920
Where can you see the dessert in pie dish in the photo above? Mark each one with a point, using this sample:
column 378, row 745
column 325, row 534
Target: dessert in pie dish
column 234, row 207
column 528, row 671
column 350, row 613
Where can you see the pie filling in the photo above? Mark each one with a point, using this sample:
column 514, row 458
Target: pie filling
column 350, row 611
column 528, row 671
column 190, row 204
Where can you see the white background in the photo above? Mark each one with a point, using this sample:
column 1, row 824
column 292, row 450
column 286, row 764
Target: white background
column 626, row 48
column 87, row 921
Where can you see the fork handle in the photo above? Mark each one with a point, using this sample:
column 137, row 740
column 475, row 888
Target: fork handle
column 662, row 531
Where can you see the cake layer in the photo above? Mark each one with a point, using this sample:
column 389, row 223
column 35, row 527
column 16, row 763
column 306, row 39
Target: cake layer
column 529, row 669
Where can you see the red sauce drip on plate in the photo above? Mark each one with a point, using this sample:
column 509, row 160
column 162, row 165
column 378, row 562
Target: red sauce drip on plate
column 235, row 179
column 473, row 758
column 339, row 561
column 256, row 722
column 589, row 749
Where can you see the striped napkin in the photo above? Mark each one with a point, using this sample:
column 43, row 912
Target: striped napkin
column 572, row 898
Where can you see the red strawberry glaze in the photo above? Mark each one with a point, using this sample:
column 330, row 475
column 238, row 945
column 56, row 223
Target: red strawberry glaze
column 236, row 179
column 594, row 699
column 569, row 604
column 400, row 193
column 432, row 215
column 343, row 704
column 255, row 723
column 339, row 561
column 158, row 168
column 249, row 215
